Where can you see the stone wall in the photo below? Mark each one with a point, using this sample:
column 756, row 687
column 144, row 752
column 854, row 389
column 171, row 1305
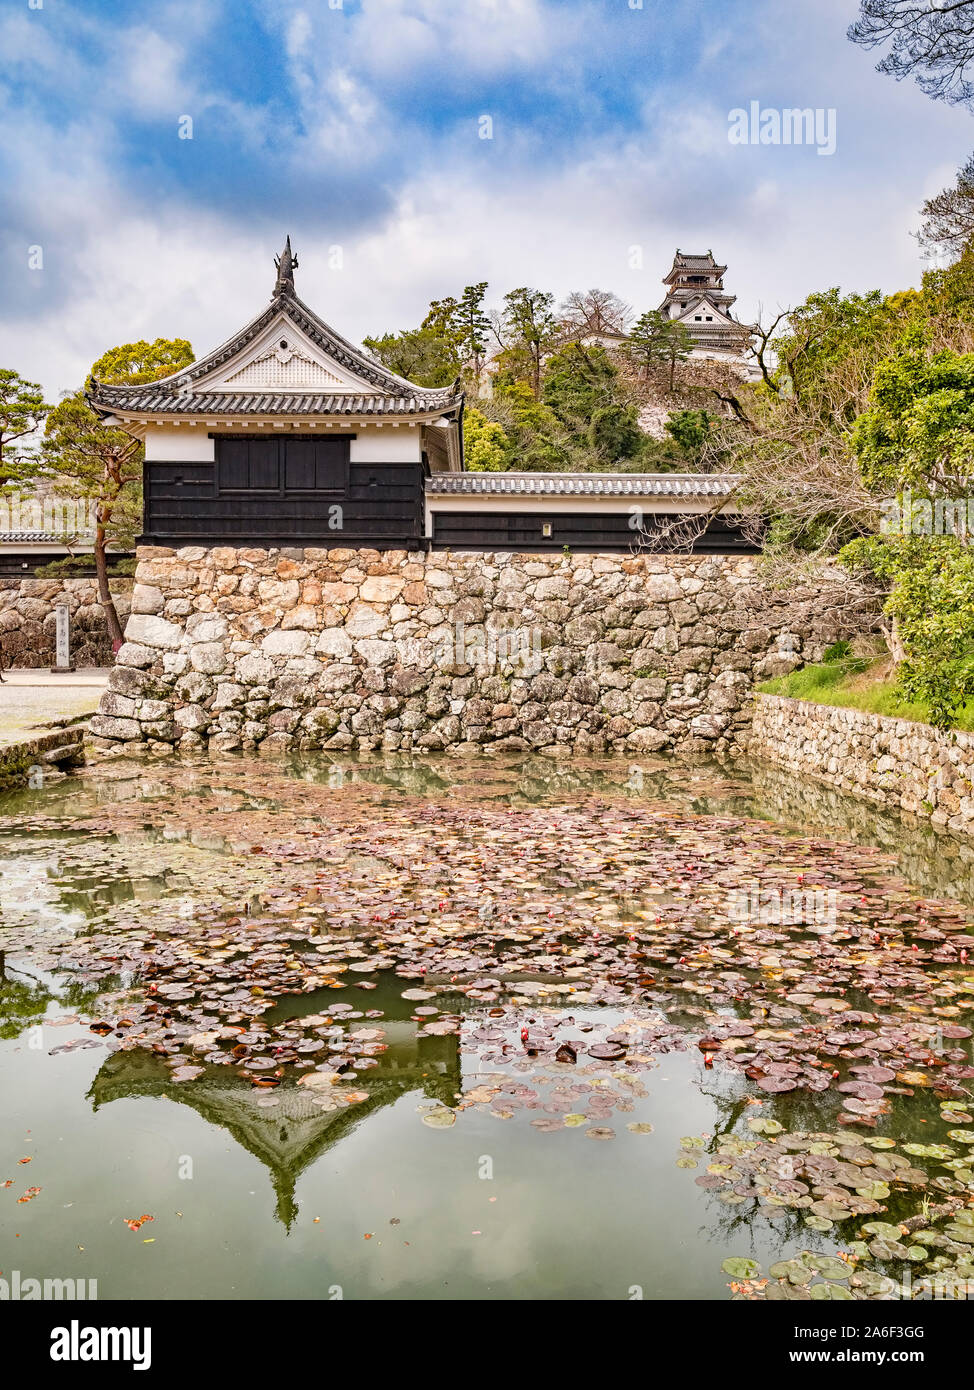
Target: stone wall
column 938, row 862
column 27, row 620
column 892, row 762
column 235, row 648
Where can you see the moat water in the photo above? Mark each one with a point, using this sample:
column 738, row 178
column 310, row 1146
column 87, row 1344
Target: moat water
column 390, row 1027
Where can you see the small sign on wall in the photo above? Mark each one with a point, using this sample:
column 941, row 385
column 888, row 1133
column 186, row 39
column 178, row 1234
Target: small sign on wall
column 62, row 640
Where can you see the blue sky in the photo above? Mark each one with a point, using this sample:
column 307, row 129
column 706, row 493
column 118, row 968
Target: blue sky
column 357, row 125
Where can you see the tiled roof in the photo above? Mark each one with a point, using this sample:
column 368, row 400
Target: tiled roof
column 152, row 400
column 689, row 261
column 175, row 394
column 37, row 538
column 581, row 484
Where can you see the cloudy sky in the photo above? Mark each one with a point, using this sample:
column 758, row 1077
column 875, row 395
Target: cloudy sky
column 360, row 125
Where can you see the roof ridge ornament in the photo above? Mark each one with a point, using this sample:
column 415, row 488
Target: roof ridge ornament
column 286, row 264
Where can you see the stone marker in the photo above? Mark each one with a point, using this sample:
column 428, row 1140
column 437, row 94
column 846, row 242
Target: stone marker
column 62, row 645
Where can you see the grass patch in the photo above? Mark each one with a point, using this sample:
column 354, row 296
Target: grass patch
column 852, row 682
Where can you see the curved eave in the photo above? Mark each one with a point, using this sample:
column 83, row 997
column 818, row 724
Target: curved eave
column 354, row 359
column 298, row 414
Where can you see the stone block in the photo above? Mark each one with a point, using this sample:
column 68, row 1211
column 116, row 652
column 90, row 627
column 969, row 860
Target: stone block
column 150, row 631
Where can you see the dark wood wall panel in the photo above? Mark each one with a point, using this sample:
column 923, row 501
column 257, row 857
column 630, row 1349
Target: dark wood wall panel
column 579, row 531
column 24, row 564
column 382, row 502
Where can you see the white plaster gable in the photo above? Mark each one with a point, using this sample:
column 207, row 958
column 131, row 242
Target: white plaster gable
column 283, row 358
column 704, row 307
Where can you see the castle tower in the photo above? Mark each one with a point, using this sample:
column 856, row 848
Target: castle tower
column 695, row 296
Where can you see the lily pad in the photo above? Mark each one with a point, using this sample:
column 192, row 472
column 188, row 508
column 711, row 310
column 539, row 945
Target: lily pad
column 826, row 1265
column 440, row 1118
column 835, row 1292
column 875, row 1191
column 792, row 1270
column 759, row 1126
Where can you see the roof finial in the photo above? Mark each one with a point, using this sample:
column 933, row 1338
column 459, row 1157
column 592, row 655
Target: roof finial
column 286, row 264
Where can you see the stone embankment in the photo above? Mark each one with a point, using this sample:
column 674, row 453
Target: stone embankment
column 893, row 762
column 247, row 648
column 28, row 619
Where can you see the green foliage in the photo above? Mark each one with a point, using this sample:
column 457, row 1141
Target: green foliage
column 691, row 430
column 866, row 398
column 583, row 420
column 23, row 1003
column 947, row 297
column 95, row 461
column 919, row 431
column 22, row 411
column 931, row 602
column 464, row 326
column 486, row 447
column 421, row 355
column 552, row 405
column 538, row 439
column 134, row 363
column 532, row 329
column 582, row 387
column 451, row 340
column 831, row 346
column 859, row 683
column 614, row 432
column 73, row 566
column 655, row 339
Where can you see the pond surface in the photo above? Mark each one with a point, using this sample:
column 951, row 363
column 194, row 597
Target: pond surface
column 389, row 1027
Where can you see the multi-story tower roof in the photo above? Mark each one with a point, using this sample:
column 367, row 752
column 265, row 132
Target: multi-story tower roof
column 695, row 295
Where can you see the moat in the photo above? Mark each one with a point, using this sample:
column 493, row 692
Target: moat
column 402, row 1027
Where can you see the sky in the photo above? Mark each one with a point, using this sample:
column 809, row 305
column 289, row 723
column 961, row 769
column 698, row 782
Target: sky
column 411, row 147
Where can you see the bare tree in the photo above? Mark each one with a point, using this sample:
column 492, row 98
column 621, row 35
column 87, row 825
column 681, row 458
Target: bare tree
column 930, row 40
column 948, row 218
column 594, row 313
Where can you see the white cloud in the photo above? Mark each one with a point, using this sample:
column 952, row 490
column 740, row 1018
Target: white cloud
column 124, row 260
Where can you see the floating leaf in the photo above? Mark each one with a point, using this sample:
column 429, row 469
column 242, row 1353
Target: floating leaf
column 792, row 1270
column 829, row 1291
column 440, row 1118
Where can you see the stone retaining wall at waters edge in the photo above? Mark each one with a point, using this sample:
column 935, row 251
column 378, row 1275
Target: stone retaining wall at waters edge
column 889, row 761
column 28, row 620
column 236, row 648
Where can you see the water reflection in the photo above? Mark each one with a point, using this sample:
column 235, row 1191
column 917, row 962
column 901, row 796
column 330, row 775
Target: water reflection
column 166, row 860
column 289, row 1128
